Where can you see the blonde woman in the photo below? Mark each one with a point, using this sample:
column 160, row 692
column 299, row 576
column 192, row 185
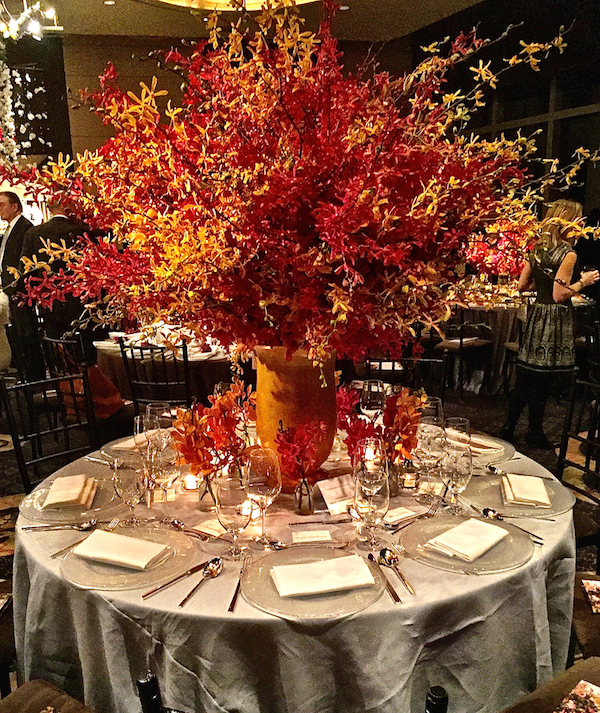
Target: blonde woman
column 548, row 348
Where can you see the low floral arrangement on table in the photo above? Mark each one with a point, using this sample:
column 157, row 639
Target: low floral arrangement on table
column 397, row 430
column 283, row 202
column 208, row 438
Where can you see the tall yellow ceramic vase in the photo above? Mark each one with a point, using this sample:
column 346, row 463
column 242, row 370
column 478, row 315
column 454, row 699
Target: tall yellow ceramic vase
column 292, row 392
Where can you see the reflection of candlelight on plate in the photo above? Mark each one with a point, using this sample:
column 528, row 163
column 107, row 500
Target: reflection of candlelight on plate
column 190, row 482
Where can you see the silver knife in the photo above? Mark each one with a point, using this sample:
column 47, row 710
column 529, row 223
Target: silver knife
column 391, row 591
column 244, row 567
column 498, row 471
column 179, row 577
column 337, row 521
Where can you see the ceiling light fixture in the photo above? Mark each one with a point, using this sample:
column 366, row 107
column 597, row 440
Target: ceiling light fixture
column 33, row 20
column 222, row 4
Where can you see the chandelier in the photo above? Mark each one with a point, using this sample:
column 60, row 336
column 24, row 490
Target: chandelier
column 222, row 4
column 34, row 20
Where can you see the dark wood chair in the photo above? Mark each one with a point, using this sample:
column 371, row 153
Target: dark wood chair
column 548, row 697
column 50, row 422
column 155, row 373
column 36, row 696
column 427, row 373
column 511, row 353
column 467, row 343
column 23, row 353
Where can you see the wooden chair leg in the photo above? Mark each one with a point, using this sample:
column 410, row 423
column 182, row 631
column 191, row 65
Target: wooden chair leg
column 4, row 681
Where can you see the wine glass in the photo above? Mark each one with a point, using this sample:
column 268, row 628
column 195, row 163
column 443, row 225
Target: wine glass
column 372, row 399
column 458, row 432
column 429, row 450
column 370, row 461
column 456, row 472
column 161, row 410
column 142, row 426
column 264, row 484
column 234, row 507
column 130, row 487
column 371, row 502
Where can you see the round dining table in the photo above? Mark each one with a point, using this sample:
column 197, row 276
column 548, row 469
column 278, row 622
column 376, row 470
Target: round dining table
column 487, row 639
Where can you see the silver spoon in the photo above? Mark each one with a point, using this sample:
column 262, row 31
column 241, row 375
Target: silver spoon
column 88, row 525
column 492, row 514
column 211, row 570
column 178, row 525
column 389, row 558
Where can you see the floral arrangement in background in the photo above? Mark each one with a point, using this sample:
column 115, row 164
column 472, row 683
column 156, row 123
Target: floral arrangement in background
column 209, row 438
column 398, row 430
column 283, row 202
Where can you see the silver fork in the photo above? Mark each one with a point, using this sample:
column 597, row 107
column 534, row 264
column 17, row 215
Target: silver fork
column 434, row 507
column 109, row 528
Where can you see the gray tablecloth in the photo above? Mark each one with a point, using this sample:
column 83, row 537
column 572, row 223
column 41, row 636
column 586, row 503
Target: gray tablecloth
column 486, row 639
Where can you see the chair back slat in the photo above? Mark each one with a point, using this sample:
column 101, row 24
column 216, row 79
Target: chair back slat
column 155, row 373
column 50, row 421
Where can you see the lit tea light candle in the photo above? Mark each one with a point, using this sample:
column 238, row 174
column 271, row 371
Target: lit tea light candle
column 190, row 482
column 252, row 507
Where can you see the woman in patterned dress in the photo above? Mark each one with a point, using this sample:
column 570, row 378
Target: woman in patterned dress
column 548, row 348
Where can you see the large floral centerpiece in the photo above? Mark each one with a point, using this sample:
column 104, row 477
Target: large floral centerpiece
column 283, row 202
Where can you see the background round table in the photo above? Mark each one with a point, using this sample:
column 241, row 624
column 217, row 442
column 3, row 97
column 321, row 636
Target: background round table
column 487, row 639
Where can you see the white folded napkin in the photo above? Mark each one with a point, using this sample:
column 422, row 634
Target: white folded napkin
column 71, row 491
column 124, row 551
column 338, row 493
column 478, row 444
column 525, row 490
column 467, row 541
column 297, row 580
column 129, row 444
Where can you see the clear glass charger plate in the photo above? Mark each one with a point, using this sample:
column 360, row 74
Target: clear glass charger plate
column 511, row 552
column 499, row 450
column 259, row 590
column 485, row 492
column 88, row 574
column 105, row 506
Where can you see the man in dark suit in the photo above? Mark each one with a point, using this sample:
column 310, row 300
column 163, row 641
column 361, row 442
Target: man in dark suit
column 63, row 316
column 23, row 318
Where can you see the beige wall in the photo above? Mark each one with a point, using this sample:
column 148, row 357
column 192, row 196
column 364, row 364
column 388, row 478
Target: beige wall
column 86, row 58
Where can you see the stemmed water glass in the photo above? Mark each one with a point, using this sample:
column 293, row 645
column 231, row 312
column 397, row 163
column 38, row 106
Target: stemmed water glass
column 264, row 484
column 372, row 494
column 372, row 399
column 234, row 506
column 160, row 410
column 458, row 432
column 130, row 486
column 457, row 466
column 429, row 451
column 142, row 428
column 456, row 472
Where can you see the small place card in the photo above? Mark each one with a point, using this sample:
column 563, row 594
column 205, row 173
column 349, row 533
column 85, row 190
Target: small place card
column 311, row 536
column 430, row 488
column 158, row 496
column 338, row 493
column 397, row 515
column 210, row 527
column 592, row 589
